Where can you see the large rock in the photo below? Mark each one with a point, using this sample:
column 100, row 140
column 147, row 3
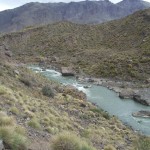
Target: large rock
column 126, row 93
column 142, row 96
column 67, row 71
column 143, row 114
column 1, row 145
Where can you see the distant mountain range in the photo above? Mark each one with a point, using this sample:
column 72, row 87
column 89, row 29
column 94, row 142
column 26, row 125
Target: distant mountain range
column 84, row 12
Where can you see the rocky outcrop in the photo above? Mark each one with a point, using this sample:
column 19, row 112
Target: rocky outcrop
column 142, row 96
column 143, row 114
column 139, row 95
column 126, row 93
column 67, row 71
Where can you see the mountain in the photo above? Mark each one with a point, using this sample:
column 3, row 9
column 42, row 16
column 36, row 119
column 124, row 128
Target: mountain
column 131, row 6
column 118, row 49
column 84, row 12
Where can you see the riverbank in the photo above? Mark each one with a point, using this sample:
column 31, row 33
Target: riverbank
column 137, row 91
column 103, row 98
column 125, row 90
column 23, row 96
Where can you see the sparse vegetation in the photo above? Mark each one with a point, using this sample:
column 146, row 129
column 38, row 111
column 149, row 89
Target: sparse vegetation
column 9, row 133
column 95, row 50
column 34, row 124
column 14, row 110
column 48, row 110
column 143, row 143
column 109, row 147
column 69, row 141
column 5, row 120
column 48, row 91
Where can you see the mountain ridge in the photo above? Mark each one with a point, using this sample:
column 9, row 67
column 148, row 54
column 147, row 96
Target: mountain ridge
column 84, row 12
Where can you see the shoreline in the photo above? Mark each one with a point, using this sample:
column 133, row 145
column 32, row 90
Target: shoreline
column 124, row 89
column 104, row 85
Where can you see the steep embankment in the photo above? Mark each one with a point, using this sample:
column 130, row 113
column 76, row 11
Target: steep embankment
column 118, row 49
column 38, row 109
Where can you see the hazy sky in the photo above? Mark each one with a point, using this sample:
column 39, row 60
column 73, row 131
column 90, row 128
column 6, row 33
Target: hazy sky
column 8, row 4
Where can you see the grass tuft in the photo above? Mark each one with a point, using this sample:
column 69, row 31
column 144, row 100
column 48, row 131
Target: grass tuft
column 69, row 141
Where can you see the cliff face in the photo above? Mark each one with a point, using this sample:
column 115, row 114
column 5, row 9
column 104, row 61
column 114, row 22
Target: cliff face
column 85, row 12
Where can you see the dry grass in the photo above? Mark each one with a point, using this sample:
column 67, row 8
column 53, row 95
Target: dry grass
column 12, row 135
column 39, row 113
column 69, row 141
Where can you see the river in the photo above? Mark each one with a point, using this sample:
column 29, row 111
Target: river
column 105, row 99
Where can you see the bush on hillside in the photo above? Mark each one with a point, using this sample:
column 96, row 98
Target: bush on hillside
column 48, row 91
column 12, row 136
column 69, row 141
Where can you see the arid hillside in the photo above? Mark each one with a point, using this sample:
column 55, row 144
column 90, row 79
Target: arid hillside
column 117, row 49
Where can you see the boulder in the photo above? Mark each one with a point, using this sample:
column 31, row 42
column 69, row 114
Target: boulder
column 126, row 93
column 1, row 145
column 142, row 96
column 143, row 114
column 67, row 71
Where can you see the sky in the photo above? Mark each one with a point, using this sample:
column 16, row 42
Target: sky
column 9, row 4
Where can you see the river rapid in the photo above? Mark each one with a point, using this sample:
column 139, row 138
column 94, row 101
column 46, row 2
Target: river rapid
column 105, row 99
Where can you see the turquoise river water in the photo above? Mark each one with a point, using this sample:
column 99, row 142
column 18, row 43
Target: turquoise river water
column 105, row 99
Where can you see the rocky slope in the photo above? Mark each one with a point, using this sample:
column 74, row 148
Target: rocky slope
column 118, row 49
column 85, row 12
column 34, row 109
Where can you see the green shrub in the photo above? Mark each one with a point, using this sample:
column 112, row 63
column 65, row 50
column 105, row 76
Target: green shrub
column 13, row 136
column 14, row 110
column 34, row 124
column 12, row 139
column 5, row 120
column 52, row 130
column 106, row 115
column 2, row 90
column 48, row 91
column 69, row 141
column 20, row 130
column 143, row 144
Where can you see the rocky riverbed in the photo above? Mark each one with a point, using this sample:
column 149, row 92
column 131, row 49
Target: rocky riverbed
column 125, row 90
column 139, row 92
column 143, row 114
